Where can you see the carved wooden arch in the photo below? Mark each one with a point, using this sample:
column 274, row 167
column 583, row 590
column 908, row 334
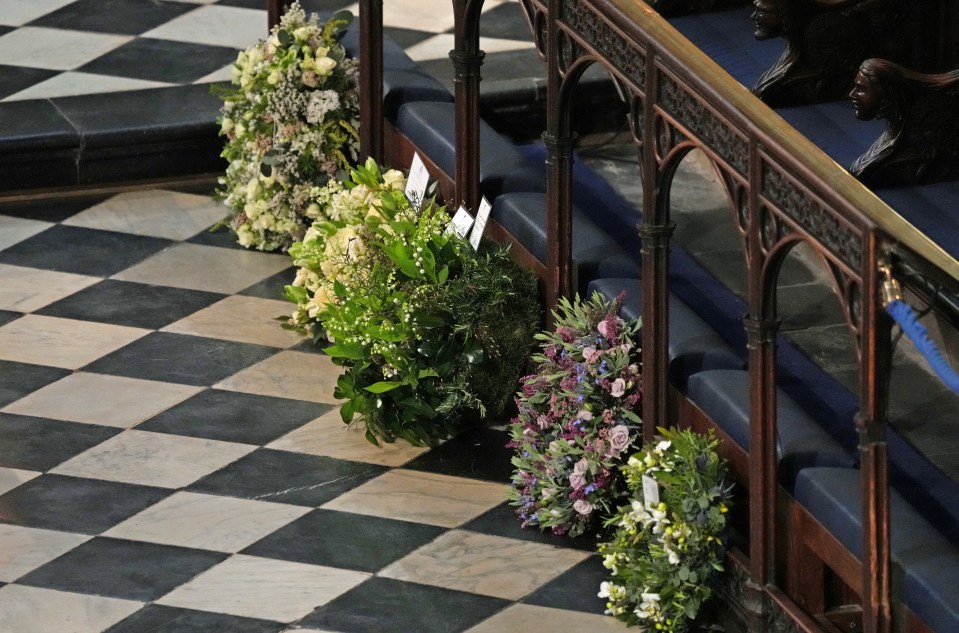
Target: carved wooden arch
column 845, row 288
column 668, row 165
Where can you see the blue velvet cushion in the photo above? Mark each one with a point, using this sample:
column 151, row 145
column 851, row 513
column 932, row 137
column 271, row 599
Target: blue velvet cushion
column 727, row 37
column 928, row 562
column 801, row 442
column 432, row 127
column 403, row 80
column 693, row 345
column 523, row 215
column 591, row 193
column 834, row 128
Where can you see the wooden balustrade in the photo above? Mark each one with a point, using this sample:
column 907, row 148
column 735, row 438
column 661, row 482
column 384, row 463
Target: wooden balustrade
column 782, row 190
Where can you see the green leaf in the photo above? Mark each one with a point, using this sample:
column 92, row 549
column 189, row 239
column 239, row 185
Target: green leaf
column 427, row 373
column 383, row 386
column 430, row 320
column 352, row 351
column 400, row 256
column 284, row 37
column 443, row 275
column 347, row 409
column 296, row 294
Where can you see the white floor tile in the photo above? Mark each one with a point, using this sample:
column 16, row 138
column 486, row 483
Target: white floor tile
column 55, row 49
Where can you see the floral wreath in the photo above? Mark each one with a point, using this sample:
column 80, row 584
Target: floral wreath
column 290, row 119
column 576, row 418
column 668, row 543
column 431, row 334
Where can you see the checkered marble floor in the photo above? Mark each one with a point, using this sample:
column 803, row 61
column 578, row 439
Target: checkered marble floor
column 171, row 460
column 58, row 48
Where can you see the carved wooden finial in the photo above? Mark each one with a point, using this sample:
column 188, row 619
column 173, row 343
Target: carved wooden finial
column 825, row 42
column 921, row 141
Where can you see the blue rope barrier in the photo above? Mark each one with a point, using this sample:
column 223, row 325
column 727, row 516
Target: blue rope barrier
column 908, row 320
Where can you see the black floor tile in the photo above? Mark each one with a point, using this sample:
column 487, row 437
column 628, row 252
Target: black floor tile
column 310, row 347
column 40, row 444
column 20, row 379
column 83, row 251
column 285, row 477
column 272, row 286
column 162, row 60
column 127, row 17
column 345, row 540
column 232, row 416
column 220, row 236
column 190, row 360
column 574, row 589
column 51, row 210
column 155, row 618
column 407, row 37
column 131, row 304
column 479, row 453
column 256, row 4
column 72, row 504
column 323, row 7
column 502, row 521
column 13, row 79
column 382, row 604
column 117, row 568
column 7, row 315
column 506, row 21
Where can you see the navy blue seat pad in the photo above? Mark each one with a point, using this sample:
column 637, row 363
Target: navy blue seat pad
column 432, row 127
column 693, row 345
column 601, row 202
column 727, row 37
column 929, row 561
column 723, row 394
column 523, row 215
column 403, row 79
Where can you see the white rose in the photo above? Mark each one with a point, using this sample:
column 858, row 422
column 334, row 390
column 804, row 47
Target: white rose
column 394, row 180
column 273, row 78
column 244, row 235
column 324, row 66
column 253, row 187
column 226, row 125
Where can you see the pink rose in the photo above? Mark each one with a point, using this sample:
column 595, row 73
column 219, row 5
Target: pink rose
column 618, row 440
column 618, row 388
column 583, row 506
column 581, row 467
column 603, row 328
column 590, row 354
column 577, row 480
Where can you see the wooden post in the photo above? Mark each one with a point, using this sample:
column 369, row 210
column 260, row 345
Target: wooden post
column 467, row 59
column 371, row 80
column 274, row 9
column 559, row 175
column 875, row 368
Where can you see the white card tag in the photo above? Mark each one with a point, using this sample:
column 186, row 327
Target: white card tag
column 461, row 222
column 417, row 182
column 479, row 225
column 650, row 492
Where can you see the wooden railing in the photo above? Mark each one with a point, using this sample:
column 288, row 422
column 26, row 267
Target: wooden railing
column 782, row 191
